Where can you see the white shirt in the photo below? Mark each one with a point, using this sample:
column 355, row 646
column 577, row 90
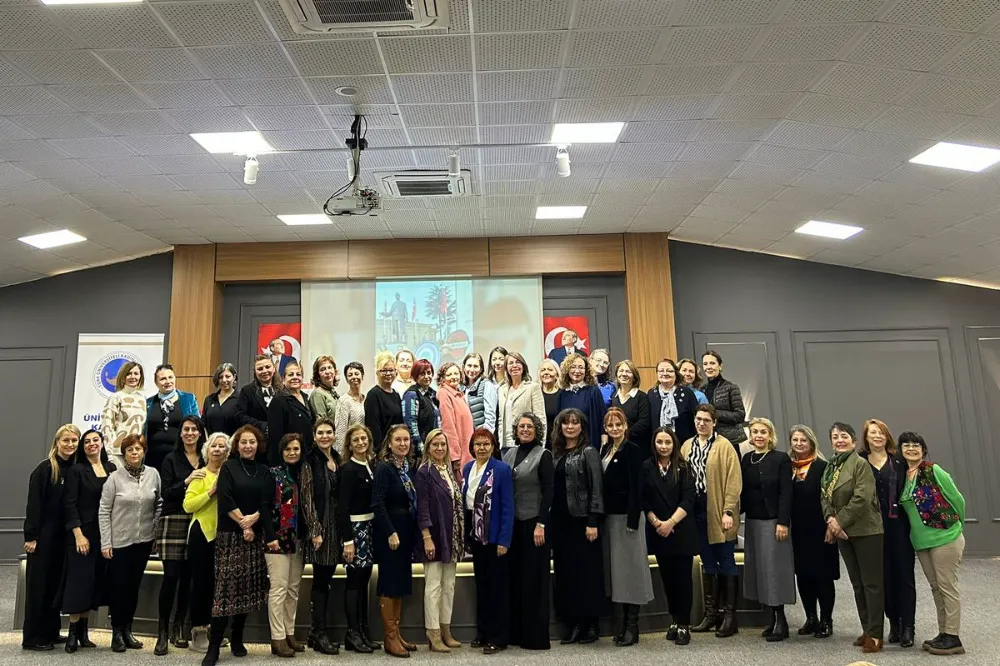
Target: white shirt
column 628, row 396
column 475, row 476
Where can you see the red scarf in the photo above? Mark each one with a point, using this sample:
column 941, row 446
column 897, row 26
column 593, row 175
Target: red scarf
column 800, row 468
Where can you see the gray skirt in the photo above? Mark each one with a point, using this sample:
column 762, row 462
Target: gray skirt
column 626, row 562
column 768, row 565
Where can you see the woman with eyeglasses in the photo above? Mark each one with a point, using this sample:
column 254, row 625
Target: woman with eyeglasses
column 351, row 406
column 580, row 392
column 86, row 571
column 420, row 405
column 456, row 417
column 383, row 405
column 671, row 403
column 533, row 472
column 219, row 411
column 936, row 511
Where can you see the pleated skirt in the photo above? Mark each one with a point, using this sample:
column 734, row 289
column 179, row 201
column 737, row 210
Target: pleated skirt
column 769, row 565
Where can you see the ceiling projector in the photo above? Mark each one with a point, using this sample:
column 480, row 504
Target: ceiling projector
column 364, row 202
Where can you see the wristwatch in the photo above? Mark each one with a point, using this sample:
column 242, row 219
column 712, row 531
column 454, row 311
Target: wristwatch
column 728, row 513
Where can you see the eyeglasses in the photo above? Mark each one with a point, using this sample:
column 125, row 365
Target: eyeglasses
column 482, row 445
column 525, row 426
column 388, row 371
column 910, row 445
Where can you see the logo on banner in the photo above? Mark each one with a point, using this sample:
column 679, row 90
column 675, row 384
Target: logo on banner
column 107, row 368
column 288, row 332
column 554, row 327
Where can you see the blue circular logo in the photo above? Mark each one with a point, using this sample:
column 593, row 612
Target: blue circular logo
column 106, row 370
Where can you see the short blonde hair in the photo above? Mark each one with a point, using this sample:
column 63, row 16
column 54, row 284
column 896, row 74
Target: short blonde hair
column 772, row 436
column 384, row 358
column 546, row 362
column 425, row 457
column 809, row 435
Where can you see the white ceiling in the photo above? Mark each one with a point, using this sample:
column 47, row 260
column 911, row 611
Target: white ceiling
column 744, row 119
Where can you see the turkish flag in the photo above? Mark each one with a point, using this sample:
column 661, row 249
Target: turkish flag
column 554, row 327
column 288, row 332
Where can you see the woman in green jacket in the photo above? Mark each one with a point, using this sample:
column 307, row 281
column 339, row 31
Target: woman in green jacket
column 854, row 522
column 936, row 511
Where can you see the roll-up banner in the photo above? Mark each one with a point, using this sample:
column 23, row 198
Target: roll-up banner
column 99, row 357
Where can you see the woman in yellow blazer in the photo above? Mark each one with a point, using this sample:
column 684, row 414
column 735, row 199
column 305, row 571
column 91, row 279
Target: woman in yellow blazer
column 718, row 484
column 200, row 501
column 854, row 522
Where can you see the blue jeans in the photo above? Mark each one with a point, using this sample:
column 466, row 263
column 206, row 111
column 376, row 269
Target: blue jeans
column 716, row 558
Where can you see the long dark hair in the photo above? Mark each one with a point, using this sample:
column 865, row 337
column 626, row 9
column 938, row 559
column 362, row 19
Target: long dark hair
column 81, row 457
column 179, row 445
column 675, row 455
column 559, row 440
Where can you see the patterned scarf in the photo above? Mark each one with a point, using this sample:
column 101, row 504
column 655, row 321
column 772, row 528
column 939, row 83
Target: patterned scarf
column 800, row 468
column 832, row 473
column 482, row 507
column 403, row 469
column 699, row 463
column 668, row 407
column 286, row 499
column 935, row 511
column 134, row 472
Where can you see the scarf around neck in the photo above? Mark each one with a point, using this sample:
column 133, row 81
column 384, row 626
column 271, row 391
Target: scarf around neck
column 134, row 472
column 403, row 469
column 668, row 407
column 800, row 468
column 167, row 401
column 832, row 472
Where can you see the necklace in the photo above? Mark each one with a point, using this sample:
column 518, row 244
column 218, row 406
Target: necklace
column 757, row 462
column 256, row 468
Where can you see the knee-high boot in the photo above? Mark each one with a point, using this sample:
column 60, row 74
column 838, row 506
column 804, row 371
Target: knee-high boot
column 362, row 614
column 730, row 590
column 319, row 639
column 712, row 620
column 393, row 647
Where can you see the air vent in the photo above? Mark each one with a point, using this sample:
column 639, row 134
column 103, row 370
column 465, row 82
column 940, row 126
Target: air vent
column 323, row 16
column 425, row 183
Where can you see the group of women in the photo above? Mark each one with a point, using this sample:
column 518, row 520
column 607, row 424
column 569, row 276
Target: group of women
column 517, row 473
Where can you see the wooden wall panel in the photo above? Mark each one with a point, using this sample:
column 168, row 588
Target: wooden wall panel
column 650, row 299
column 552, row 255
column 200, row 386
column 415, row 257
column 257, row 262
column 195, row 312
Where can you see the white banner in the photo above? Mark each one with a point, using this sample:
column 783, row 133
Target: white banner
column 99, row 357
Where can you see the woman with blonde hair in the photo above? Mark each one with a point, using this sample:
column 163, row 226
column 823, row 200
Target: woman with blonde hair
column 635, row 403
column 125, row 411
column 600, row 359
column 898, row 557
column 403, row 380
column 548, row 377
column 383, row 404
column 580, row 391
column 45, row 542
column 817, row 563
column 766, row 499
column 440, row 519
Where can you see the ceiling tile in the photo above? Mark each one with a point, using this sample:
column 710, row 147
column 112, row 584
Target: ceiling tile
column 407, row 55
column 15, row 100
column 607, row 13
column 903, row 47
column 745, row 107
column 804, row 135
column 245, row 61
column 809, row 11
column 521, row 15
column 510, row 86
column 111, row 27
column 151, row 64
column 214, row 23
column 956, row 95
column 838, row 111
column 336, row 57
column 710, row 44
column 980, row 59
column 537, row 50
column 32, row 28
column 279, row 91
column 689, row 79
column 62, row 66
column 100, row 98
column 916, row 122
column 760, row 77
column 612, row 47
column 968, row 16
column 135, row 122
column 673, row 107
column 809, row 42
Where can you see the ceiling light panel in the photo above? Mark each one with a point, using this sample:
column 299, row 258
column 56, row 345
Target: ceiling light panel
column 560, row 212
column 828, row 229
column 236, row 143
column 958, row 156
column 52, row 239
column 564, row 133
column 305, row 220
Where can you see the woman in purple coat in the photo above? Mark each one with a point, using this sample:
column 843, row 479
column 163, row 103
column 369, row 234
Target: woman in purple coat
column 440, row 520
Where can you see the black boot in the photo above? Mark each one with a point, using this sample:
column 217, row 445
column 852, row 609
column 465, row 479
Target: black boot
column 927, row 644
column 573, row 636
column 683, row 635
column 671, row 633
column 363, row 620
column 591, row 631
column 729, row 626
column 162, row 637
column 621, row 631
column 353, row 641
column 72, row 640
column 180, row 633
column 131, row 642
column 811, row 626
column 83, row 634
column 769, row 629
column 318, row 639
column 118, row 639
column 893, row 636
column 630, row 636
column 906, row 637
column 947, row 644
column 211, row 657
column 825, row 629
column 780, row 632
column 236, row 645
column 711, row 620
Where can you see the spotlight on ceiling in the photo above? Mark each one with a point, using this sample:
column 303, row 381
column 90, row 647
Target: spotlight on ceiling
column 562, row 161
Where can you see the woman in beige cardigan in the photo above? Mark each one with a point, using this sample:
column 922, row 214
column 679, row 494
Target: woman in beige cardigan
column 718, row 484
column 517, row 395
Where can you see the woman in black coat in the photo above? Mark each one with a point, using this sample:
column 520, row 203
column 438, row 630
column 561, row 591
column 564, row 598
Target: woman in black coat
column 220, row 411
column 634, row 402
column 289, row 412
column 86, row 571
column 254, row 398
column 817, row 563
column 668, row 499
column 394, row 503
column 672, row 405
column 726, row 398
column 45, row 542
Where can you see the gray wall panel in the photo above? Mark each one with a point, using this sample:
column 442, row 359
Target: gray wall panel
column 852, row 344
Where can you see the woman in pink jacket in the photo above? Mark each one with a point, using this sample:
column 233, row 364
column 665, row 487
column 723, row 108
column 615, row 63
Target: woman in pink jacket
column 456, row 418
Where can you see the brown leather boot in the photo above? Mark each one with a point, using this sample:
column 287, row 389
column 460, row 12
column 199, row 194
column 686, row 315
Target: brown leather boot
column 447, row 638
column 281, row 649
column 391, row 643
column 398, row 609
column 294, row 644
column 434, row 641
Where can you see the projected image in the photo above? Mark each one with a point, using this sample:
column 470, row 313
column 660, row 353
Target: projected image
column 433, row 318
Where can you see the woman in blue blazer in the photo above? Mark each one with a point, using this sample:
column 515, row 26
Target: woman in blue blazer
column 165, row 412
column 488, row 498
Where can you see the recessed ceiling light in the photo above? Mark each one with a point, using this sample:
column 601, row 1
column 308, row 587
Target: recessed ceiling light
column 52, row 239
column 970, row 283
column 958, row 156
column 234, row 143
column 303, row 220
column 560, row 212
column 828, row 229
column 563, row 133
column 89, row 2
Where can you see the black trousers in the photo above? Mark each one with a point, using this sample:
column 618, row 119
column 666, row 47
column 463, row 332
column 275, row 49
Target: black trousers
column 813, row 590
column 675, row 572
column 201, row 554
column 176, row 584
column 530, row 590
column 127, row 567
column 320, row 593
column 43, row 580
column 492, row 575
column 898, row 560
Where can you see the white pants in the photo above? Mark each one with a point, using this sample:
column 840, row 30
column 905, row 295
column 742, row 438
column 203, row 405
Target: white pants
column 285, row 572
column 439, row 593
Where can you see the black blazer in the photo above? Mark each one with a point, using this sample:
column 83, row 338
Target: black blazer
column 661, row 495
column 687, row 403
column 251, row 408
column 814, row 558
column 622, row 480
column 286, row 414
column 221, row 418
column 639, row 422
column 354, row 496
column 774, row 472
column 82, row 494
column 175, row 468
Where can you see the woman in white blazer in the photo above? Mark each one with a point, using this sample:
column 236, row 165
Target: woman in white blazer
column 517, row 395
